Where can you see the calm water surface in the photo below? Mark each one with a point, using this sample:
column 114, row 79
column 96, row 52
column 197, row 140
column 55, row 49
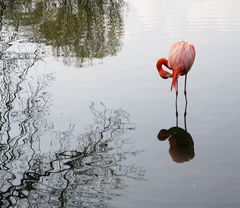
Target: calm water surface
column 82, row 104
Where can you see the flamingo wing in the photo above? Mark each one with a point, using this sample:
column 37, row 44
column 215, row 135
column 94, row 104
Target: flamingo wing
column 181, row 55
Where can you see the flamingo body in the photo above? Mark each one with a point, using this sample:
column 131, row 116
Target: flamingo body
column 180, row 60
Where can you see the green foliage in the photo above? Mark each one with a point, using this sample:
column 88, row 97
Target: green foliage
column 78, row 30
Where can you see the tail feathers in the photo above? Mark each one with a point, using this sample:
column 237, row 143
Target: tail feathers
column 175, row 76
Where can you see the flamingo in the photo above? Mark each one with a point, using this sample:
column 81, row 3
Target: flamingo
column 180, row 60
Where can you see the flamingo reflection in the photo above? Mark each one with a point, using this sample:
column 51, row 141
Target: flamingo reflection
column 180, row 141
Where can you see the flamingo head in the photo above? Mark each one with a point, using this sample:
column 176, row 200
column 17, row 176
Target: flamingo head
column 163, row 74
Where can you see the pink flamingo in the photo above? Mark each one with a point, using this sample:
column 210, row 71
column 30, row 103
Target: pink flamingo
column 180, row 60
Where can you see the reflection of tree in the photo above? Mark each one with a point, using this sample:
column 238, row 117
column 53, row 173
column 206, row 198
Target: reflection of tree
column 90, row 174
column 87, row 176
column 78, row 30
column 78, row 171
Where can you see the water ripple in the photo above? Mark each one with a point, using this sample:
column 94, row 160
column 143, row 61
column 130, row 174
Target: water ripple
column 179, row 16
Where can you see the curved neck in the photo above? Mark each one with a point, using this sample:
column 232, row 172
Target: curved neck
column 160, row 62
column 164, row 74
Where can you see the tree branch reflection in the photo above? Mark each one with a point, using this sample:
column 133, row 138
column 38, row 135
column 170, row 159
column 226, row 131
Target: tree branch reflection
column 85, row 170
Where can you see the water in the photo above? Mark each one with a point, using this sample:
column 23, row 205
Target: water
column 82, row 105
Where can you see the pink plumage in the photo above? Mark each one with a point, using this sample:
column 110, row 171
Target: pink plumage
column 180, row 59
column 181, row 54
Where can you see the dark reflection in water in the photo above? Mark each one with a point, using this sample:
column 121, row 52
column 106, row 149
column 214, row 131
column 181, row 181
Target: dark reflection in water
column 79, row 31
column 86, row 170
column 180, row 141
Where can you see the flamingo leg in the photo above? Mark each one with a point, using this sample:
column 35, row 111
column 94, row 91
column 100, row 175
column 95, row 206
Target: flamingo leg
column 176, row 104
column 185, row 123
column 176, row 118
column 185, row 93
column 185, row 117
